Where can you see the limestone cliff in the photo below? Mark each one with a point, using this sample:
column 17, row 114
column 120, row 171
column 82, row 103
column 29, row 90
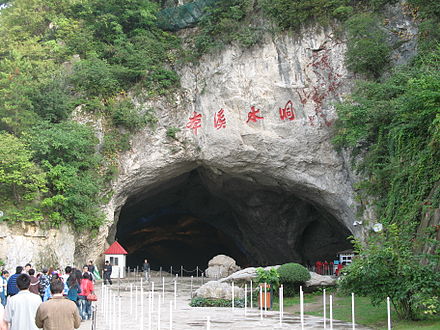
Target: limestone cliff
column 249, row 133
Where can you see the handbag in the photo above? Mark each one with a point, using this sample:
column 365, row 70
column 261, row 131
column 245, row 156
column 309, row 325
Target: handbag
column 92, row 297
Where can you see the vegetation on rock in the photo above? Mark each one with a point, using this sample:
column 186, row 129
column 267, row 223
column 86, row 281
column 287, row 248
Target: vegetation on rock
column 58, row 56
column 392, row 127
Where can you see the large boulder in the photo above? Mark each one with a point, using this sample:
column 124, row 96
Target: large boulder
column 221, row 266
column 245, row 275
column 317, row 280
column 217, row 290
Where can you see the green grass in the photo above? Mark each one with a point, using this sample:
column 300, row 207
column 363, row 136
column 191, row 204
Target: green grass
column 292, row 301
column 365, row 313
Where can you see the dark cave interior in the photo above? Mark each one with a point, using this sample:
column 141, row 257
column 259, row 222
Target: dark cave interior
column 196, row 216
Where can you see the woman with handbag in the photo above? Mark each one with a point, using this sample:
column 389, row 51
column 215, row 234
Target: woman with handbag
column 85, row 297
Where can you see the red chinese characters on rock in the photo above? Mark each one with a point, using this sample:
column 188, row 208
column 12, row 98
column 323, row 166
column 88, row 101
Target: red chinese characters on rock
column 219, row 120
column 195, row 122
column 253, row 115
column 288, row 112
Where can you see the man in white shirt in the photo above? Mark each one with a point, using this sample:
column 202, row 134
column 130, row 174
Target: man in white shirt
column 21, row 309
column 3, row 325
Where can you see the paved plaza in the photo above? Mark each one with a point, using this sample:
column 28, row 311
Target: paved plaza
column 125, row 312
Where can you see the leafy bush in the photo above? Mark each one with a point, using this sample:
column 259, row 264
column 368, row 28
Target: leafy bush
column 367, row 49
column 388, row 267
column 208, row 302
column 227, row 22
column 94, row 77
column 20, row 177
column 269, row 276
column 292, row 275
column 291, row 14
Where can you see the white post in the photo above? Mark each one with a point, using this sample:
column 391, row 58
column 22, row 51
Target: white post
column 104, row 301
column 152, row 296
column 245, row 300
column 325, row 309
column 192, row 286
column 261, row 302
column 163, row 289
column 175, row 294
column 233, row 296
column 131, row 298
column 281, row 304
column 352, row 310
column 331, row 312
column 208, row 323
column 389, row 313
column 265, row 298
column 136, row 303
column 251, row 295
column 115, row 319
column 301, row 299
column 142, row 308
column 142, row 281
column 120, row 315
column 171, row 315
column 158, row 312
column 150, row 304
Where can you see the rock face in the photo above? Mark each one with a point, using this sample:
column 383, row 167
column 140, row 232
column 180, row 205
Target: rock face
column 221, row 266
column 245, row 146
column 27, row 243
column 217, row 290
column 245, row 275
column 320, row 280
column 253, row 156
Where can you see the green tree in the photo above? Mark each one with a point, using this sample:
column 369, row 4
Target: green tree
column 19, row 176
column 388, row 267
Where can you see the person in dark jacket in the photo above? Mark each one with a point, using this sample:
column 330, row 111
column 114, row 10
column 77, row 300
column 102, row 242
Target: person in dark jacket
column 107, row 272
column 12, row 282
column 34, row 287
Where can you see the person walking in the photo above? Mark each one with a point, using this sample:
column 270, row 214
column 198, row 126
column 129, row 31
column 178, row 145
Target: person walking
column 44, row 283
column 91, row 267
column 146, row 269
column 74, row 286
column 3, row 286
column 3, row 325
column 58, row 312
column 34, row 282
column 107, row 272
column 12, row 282
column 21, row 308
column 27, row 267
column 85, row 306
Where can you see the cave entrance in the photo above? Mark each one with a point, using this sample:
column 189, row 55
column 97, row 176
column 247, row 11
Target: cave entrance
column 190, row 219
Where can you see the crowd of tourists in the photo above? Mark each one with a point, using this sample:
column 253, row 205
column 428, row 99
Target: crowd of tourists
column 49, row 299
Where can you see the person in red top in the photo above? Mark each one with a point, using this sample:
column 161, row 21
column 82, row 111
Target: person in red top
column 85, row 306
column 318, row 267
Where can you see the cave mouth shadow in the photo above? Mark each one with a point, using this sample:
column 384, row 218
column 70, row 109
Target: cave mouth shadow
column 190, row 219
